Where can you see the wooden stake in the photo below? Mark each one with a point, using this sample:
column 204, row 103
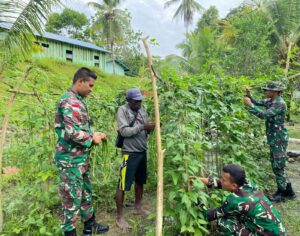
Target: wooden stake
column 160, row 203
column 3, row 134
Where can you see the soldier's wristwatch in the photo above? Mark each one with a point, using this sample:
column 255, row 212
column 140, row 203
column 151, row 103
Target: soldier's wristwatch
column 210, row 182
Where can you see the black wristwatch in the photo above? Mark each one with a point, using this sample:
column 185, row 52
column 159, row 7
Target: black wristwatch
column 210, row 182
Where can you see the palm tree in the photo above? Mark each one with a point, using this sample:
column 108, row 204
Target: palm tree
column 285, row 18
column 197, row 46
column 20, row 20
column 111, row 22
column 186, row 9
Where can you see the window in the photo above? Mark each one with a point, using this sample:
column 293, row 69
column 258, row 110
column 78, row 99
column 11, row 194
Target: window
column 96, row 64
column 96, row 57
column 69, row 55
column 45, row 45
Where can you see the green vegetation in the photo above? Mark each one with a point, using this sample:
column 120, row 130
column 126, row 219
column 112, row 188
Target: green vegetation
column 31, row 141
column 204, row 121
column 72, row 21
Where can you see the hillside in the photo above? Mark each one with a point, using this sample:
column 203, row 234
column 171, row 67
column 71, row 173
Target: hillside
column 31, row 203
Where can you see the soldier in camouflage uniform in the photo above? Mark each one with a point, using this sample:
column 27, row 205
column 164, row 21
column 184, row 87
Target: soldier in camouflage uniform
column 75, row 138
column 277, row 135
column 246, row 211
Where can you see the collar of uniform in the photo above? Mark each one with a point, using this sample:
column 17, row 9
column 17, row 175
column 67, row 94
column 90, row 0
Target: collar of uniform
column 277, row 99
column 76, row 94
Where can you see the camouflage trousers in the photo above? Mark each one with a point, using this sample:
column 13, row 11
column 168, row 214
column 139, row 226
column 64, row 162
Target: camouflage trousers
column 76, row 192
column 278, row 161
column 231, row 226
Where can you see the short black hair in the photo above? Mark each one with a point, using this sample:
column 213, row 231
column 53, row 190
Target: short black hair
column 237, row 173
column 85, row 74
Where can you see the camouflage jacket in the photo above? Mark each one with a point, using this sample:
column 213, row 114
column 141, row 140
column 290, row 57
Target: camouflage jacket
column 274, row 115
column 72, row 126
column 250, row 207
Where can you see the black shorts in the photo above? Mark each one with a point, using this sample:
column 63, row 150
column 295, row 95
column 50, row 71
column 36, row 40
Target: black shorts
column 133, row 168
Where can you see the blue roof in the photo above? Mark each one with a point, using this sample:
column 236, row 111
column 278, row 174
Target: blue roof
column 64, row 39
column 76, row 42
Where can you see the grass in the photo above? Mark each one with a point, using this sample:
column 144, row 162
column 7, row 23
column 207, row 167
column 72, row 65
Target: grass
column 294, row 130
column 290, row 215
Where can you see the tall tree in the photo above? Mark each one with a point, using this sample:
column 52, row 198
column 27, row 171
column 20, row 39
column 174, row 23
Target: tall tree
column 285, row 16
column 198, row 46
column 245, row 34
column 209, row 18
column 111, row 21
column 69, row 22
column 186, row 9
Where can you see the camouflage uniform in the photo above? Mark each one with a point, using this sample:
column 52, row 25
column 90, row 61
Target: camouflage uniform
column 72, row 158
column 246, row 212
column 277, row 135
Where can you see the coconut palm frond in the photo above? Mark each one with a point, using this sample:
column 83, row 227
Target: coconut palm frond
column 186, row 9
column 22, row 20
column 170, row 3
column 96, row 6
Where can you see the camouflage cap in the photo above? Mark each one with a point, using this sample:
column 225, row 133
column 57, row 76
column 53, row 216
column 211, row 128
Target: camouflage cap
column 274, row 86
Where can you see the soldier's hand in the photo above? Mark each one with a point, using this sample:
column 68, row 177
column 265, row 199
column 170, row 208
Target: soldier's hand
column 247, row 90
column 97, row 137
column 204, row 180
column 192, row 177
column 247, row 101
column 149, row 126
column 103, row 136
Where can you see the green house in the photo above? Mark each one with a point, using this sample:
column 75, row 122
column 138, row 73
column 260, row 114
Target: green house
column 120, row 68
column 73, row 50
column 67, row 49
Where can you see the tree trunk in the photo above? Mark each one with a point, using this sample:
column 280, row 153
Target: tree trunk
column 113, row 57
column 289, row 87
column 160, row 160
column 3, row 135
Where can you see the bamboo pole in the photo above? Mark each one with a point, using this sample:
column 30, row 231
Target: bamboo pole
column 159, row 206
column 286, row 72
column 288, row 58
column 3, row 134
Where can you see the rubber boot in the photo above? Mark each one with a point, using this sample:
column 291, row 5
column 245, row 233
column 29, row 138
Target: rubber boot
column 71, row 233
column 289, row 192
column 278, row 196
column 90, row 227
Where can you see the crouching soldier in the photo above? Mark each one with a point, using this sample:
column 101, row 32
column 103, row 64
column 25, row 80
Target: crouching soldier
column 246, row 211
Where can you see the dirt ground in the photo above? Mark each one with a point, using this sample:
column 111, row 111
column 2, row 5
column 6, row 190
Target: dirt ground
column 137, row 223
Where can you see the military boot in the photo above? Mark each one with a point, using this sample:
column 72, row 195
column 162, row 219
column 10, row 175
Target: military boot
column 71, row 233
column 90, row 227
column 289, row 192
column 278, row 196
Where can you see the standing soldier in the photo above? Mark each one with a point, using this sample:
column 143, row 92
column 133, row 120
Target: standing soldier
column 134, row 127
column 75, row 138
column 246, row 211
column 277, row 135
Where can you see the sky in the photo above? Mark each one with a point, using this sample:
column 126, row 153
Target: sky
column 153, row 20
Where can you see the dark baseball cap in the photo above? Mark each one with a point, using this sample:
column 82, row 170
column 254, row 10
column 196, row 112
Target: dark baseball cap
column 135, row 94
